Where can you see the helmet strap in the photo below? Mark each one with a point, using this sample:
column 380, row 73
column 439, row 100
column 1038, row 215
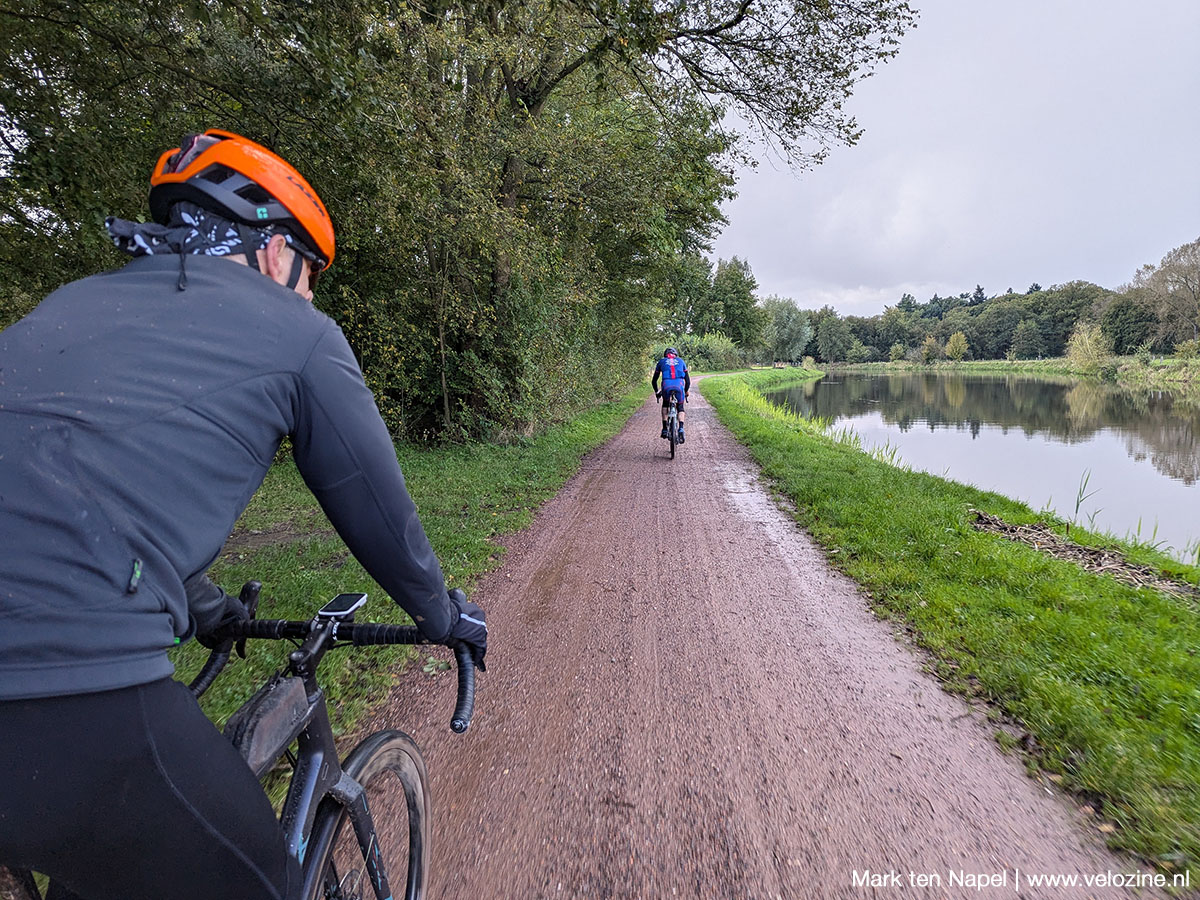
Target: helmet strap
column 297, row 268
column 249, row 246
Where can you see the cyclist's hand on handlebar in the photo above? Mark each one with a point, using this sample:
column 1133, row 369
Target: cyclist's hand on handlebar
column 235, row 612
column 658, row 395
column 470, row 626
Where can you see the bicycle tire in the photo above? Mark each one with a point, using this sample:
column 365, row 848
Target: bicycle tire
column 334, row 868
column 672, row 435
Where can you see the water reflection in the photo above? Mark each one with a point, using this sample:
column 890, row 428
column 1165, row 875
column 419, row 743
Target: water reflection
column 1032, row 438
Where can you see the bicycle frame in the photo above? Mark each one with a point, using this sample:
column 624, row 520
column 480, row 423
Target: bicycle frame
column 262, row 740
column 673, row 421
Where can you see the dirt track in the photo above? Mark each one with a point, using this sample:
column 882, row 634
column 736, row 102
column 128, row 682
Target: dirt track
column 684, row 700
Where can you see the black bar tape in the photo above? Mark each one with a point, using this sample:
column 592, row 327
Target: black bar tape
column 465, row 707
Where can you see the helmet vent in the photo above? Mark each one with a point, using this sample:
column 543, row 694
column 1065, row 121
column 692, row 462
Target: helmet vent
column 255, row 194
column 217, row 174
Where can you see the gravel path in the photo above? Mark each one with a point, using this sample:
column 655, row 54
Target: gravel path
column 684, row 700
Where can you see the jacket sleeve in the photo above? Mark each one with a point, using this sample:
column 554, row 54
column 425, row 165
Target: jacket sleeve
column 687, row 379
column 654, row 379
column 347, row 458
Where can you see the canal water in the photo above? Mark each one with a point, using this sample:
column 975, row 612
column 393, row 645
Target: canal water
column 1112, row 460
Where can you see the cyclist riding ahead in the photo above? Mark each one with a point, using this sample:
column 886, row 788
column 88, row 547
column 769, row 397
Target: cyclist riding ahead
column 675, row 380
column 139, row 411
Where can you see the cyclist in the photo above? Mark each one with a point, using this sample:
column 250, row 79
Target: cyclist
column 675, row 380
column 139, row 411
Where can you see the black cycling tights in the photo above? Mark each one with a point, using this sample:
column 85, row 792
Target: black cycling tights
column 134, row 795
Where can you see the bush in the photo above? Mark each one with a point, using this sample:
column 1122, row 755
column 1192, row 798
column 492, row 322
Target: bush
column 859, row 352
column 898, row 352
column 1188, row 350
column 1089, row 350
column 711, row 352
column 956, row 346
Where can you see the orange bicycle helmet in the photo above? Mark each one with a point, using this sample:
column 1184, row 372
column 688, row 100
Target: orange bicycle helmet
column 243, row 181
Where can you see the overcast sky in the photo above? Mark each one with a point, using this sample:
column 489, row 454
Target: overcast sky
column 1010, row 141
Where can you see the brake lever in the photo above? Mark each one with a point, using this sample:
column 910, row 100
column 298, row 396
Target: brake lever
column 249, row 598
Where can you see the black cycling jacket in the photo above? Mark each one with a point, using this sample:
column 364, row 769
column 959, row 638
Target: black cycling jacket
column 136, row 422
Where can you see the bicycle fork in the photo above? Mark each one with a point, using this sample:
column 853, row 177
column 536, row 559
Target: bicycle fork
column 351, row 794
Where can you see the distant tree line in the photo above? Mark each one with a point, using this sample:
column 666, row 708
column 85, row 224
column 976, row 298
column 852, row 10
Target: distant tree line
column 1157, row 312
column 519, row 186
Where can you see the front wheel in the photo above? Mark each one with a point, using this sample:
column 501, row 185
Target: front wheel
column 389, row 767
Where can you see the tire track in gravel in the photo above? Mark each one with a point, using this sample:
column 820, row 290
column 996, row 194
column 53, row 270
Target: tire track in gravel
column 684, row 700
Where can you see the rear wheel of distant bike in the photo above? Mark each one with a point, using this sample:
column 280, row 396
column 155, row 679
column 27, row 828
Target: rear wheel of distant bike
column 673, row 434
column 389, row 767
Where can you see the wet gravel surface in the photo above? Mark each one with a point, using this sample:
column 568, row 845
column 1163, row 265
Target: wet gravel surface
column 684, row 700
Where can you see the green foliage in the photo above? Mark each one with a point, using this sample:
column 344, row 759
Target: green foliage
column 1127, row 323
column 834, row 339
column 1188, row 350
column 787, row 331
column 515, row 188
column 897, row 352
column 1172, row 289
column 713, row 352
column 859, row 352
column 956, row 346
column 930, row 349
column 1026, row 341
column 1088, row 350
column 733, row 294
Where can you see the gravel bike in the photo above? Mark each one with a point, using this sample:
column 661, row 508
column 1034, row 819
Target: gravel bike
column 672, row 422
column 357, row 827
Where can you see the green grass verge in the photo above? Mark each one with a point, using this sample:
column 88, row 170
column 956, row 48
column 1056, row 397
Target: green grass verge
column 467, row 496
column 1103, row 676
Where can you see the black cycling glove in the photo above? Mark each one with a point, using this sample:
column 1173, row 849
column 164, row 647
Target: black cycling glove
column 234, row 613
column 469, row 626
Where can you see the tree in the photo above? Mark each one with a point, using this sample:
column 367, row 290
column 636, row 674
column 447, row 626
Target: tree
column 995, row 324
column 1128, row 322
column 1034, row 288
column 686, row 291
column 930, row 349
column 1057, row 309
column 1088, row 349
column 859, row 352
column 1174, row 285
column 956, row 346
column 788, row 330
column 733, row 293
column 897, row 326
column 512, row 182
column 897, row 352
column 816, row 319
column 834, row 339
column 1026, row 341
column 979, row 296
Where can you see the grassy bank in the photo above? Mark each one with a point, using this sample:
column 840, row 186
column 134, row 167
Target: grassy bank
column 467, row 496
column 1160, row 373
column 1101, row 676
